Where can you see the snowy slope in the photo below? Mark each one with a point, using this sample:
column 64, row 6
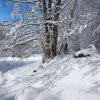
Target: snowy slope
column 64, row 78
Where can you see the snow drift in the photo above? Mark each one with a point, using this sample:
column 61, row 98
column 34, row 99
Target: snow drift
column 90, row 51
column 30, row 93
column 60, row 79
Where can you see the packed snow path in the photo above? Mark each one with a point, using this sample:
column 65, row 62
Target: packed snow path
column 65, row 78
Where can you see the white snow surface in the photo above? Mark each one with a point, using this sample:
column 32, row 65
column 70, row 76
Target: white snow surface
column 63, row 78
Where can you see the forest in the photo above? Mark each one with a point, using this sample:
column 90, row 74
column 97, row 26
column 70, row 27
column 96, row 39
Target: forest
column 49, row 50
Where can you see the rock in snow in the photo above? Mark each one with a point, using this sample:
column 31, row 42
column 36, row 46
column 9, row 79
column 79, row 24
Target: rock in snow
column 90, row 51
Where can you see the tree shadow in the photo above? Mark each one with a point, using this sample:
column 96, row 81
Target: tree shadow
column 10, row 65
column 10, row 98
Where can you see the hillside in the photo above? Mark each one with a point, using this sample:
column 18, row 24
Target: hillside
column 62, row 78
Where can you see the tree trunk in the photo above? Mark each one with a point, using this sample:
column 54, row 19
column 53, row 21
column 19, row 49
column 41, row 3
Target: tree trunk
column 56, row 27
column 46, row 48
column 51, row 30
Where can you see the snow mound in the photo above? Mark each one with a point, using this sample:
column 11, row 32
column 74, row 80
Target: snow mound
column 30, row 93
column 90, row 51
column 76, row 95
column 2, row 79
column 9, row 76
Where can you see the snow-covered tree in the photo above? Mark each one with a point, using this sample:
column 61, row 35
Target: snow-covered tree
column 41, row 21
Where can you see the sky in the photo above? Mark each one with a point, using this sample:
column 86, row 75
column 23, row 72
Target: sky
column 6, row 10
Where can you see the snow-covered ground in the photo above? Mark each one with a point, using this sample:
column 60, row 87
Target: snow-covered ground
column 64, row 78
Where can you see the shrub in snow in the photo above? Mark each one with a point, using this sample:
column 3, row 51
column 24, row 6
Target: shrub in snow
column 90, row 51
column 31, row 93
